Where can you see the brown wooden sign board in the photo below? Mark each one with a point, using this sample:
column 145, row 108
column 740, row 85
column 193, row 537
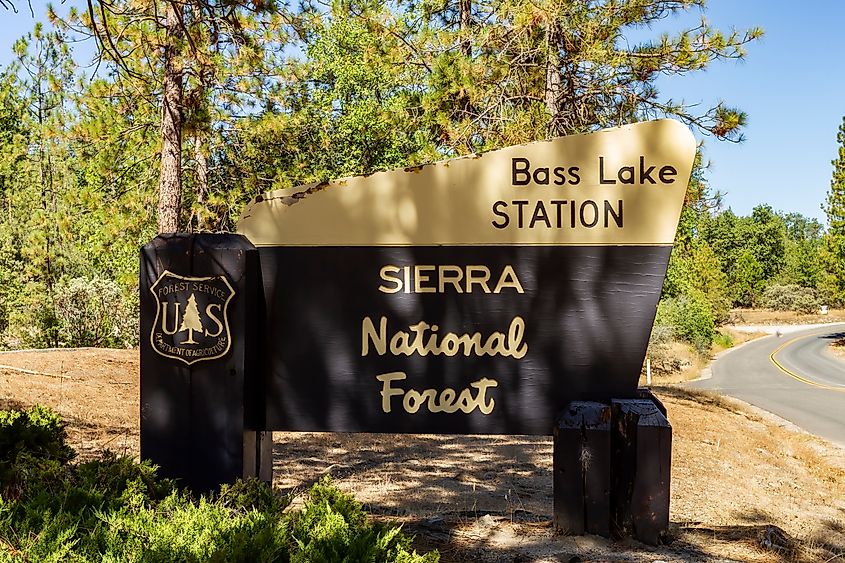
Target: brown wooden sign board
column 477, row 295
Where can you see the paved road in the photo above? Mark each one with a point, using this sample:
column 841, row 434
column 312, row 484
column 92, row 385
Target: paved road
column 792, row 376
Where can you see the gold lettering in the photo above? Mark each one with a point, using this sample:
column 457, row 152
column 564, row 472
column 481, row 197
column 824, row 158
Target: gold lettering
column 417, row 345
column 482, row 277
column 214, row 318
column 164, row 307
column 466, row 402
column 399, row 344
column 423, row 339
column 385, row 275
column 470, row 343
column 446, row 404
column 495, row 345
column 515, row 334
column 508, row 279
column 450, row 344
column 368, row 333
column 412, row 400
column 386, row 391
column 444, row 277
column 420, row 278
column 482, row 385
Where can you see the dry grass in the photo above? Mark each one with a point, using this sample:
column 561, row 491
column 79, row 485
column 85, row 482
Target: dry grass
column 678, row 362
column 745, row 486
column 769, row 317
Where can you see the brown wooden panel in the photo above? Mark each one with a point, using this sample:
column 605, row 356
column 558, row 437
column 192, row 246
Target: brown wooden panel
column 584, row 316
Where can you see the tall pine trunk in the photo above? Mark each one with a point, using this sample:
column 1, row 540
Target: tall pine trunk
column 553, row 94
column 172, row 121
column 201, row 181
column 466, row 20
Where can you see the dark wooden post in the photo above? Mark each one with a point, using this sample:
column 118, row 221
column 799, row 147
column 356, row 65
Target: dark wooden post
column 201, row 316
column 612, row 469
column 582, row 469
column 642, row 459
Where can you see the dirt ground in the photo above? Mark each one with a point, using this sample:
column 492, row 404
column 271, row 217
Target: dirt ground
column 745, row 485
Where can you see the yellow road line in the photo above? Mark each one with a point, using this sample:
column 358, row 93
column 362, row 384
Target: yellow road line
column 794, row 375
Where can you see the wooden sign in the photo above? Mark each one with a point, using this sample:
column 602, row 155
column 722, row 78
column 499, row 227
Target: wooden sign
column 476, row 295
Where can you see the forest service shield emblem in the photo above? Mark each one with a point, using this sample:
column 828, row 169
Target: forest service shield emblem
column 192, row 322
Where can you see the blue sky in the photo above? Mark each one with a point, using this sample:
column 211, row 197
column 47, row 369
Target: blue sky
column 792, row 85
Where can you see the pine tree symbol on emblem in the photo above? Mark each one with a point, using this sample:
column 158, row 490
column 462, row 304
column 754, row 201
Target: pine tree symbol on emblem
column 191, row 321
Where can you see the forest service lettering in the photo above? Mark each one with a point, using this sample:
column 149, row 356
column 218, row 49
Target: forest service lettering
column 426, row 278
column 177, row 286
column 445, row 401
column 425, row 338
column 218, row 348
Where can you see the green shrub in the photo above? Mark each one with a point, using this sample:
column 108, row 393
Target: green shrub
column 252, row 494
column 332, row 527
column 77, row 312
column 93, row 312
column 690, row 318
column 30, row 440
column 658, row 353
column 723, row 339
column 115, row 510
column 791, row 298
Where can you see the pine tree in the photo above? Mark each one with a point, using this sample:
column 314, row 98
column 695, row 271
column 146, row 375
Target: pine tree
column 535, row 70
column 835, row 210
column 191, row 320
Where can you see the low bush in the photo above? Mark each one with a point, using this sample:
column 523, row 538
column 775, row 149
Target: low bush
column 93, row 312
column 690, row 318
column 29, row 438
column 114, row 509
column 77, row 312
column 723, row 340
column 791, row 297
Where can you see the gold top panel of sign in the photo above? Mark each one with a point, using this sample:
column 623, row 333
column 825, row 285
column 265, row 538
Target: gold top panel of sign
column 621, row 186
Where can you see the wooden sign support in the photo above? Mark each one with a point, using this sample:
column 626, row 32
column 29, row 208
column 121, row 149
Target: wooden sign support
column 612, row 465
column 201, row 420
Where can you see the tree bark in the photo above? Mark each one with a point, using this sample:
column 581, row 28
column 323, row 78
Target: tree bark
column 201, row 188
column 466, row 20
column 172, row 122
column 553, row 94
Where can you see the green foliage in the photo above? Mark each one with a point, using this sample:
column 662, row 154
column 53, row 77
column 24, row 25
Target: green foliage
column 802, row 261
column 690, row 318
column 747, row 278
column 80, row 312
column 791, row 298
column 723, row 339
column 279, row 94
column 93, row 312
column 698, row 269
column 753, row 250
column 834, row 252
column 252, row 494
column 28, row 437
column 332, row 528
column 115, row 509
